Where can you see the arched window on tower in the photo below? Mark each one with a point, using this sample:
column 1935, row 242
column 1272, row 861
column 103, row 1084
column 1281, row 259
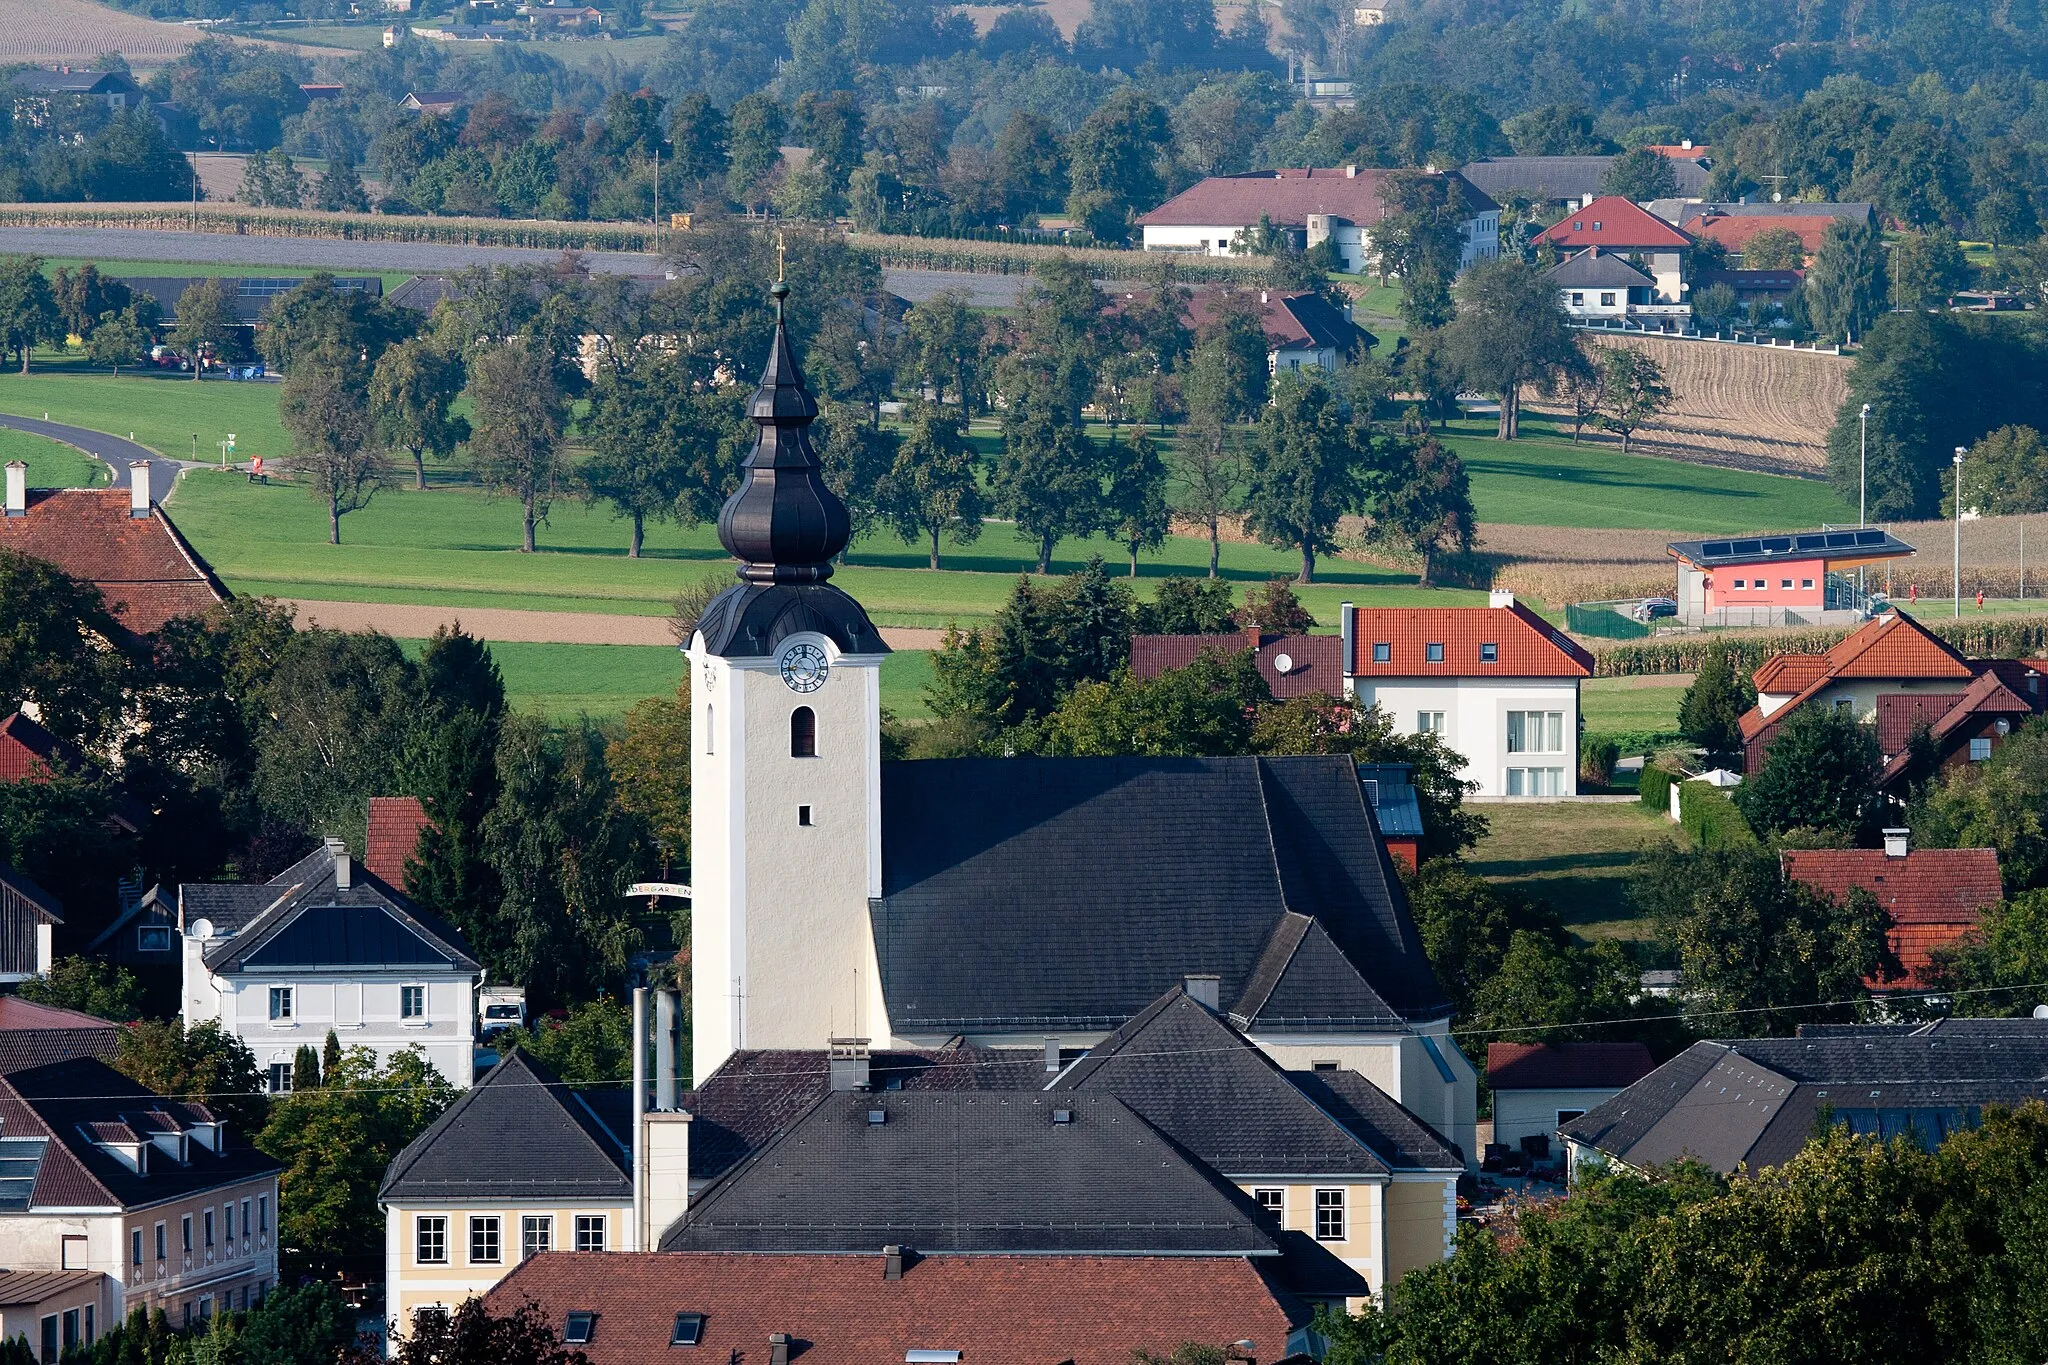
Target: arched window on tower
column 803, row 733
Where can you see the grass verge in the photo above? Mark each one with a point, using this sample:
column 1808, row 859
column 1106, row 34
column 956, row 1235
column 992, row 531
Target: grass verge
column 1576, row 855
column 51, row 464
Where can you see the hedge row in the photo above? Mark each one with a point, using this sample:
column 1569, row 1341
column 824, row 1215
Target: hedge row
column 1983, row 637
column 1706, row 813
column 1018, row 258
column 242, row 220
column 1654, row 790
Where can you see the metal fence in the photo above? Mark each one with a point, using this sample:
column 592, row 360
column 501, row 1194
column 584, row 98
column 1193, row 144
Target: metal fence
column 1606, row 620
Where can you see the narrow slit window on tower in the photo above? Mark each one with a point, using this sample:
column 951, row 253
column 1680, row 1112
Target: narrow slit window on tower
column 708, row 718
column 803, row 733
column 803, row 815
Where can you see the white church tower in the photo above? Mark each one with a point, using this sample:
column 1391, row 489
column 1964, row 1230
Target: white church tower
column 785, row 811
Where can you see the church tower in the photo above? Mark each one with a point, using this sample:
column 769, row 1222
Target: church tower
column 785, row 728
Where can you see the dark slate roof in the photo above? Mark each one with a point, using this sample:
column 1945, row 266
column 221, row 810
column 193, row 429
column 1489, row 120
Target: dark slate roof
column 1204, row 1085
column 43, row 82
column 756, row 1094
column 1598, row 270
column 1380, row 1121
column 63, row 1101
column 979, row 1172
column 310, row 922
column 1326, row 327
column 1027, row 893
column 518, row 1134
column 1754, row 1101
column 751, row 620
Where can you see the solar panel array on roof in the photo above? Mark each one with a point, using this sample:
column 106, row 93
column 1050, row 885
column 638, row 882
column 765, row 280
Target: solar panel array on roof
column 1711, row 553
column 20, row 1160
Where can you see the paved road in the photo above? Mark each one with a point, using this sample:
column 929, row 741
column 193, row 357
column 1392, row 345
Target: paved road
column 422, row 258
column 114, row 450
column 410, row 621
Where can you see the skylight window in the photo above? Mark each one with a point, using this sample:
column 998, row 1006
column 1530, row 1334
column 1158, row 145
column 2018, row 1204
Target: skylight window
column 689, row 1330
column 577, row 1327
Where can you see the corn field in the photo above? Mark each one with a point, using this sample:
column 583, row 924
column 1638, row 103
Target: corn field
column 1018, row 258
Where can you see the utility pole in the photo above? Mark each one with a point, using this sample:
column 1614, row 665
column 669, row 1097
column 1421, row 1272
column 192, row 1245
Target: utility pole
column 1957, row 568
column 1863, row 466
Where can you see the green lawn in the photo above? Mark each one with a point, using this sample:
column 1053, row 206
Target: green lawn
column 51, row 464
column 1617, row 705
column 163, row 410
column 361, row 37
column 1576, row 855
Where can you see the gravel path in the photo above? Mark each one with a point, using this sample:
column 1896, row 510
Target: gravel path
column 422, row 258
column 410, row 621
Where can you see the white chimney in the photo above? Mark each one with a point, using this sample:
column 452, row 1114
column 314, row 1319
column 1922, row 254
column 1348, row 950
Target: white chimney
column 1351, row 172
column 1052, row 1055
column 1500, row 597
column 1686, row 144
column 17, row 488
column 339, row 852
column 1206, row 991
column 138, row 489
column 665, row 1147
column 1263, row 298
column 1347, row 631
column 1897, row 842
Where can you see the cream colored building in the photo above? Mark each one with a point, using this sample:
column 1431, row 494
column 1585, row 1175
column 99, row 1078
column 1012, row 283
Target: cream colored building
column 520, row 1165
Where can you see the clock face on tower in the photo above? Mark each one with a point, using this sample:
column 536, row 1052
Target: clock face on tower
column 804, row 668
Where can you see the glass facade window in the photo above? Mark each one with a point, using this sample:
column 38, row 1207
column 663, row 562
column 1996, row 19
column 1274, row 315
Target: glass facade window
column 1535, row 732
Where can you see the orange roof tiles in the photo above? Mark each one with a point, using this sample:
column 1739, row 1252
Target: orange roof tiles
column 394, row 832
column 1934, row 895
column 1022, row 1310
column 1525, row 645
column 1896, row 646
column 1617, row 224
column 1735, row 232
column 141, row 564
column 1789, row 672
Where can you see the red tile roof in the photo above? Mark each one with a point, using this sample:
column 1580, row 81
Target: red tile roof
column 1288, row 197
column 394, row 832
column 142, row 565
column 1734, row 233
column 1789, row 672
column 1679, row 152
column 1616, row 224
column 1528, row 646
column 1315, row 662
column 1018, row 1310
column 28, row 751
column 1893, row 647
column 1566, row 1066
column 1969, row 715
column 1933, row 894
column 1901, row 713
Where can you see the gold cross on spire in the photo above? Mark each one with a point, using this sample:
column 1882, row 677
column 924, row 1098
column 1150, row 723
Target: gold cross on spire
column 781, row 256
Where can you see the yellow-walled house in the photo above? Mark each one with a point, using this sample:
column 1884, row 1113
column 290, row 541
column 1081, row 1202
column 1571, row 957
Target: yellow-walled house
column 520, row 1165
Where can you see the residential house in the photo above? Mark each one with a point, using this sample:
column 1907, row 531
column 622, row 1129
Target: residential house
column 326, row 945
column 1934, row 896
column 1754, row 1102
column 143, row 935
column 1567, row 182
column 1538, row 1088
column 1322, row 1149
column 1302, row 331
column 889, row 1303
column 1341, row 206
column 118, row 540
column 36, row 90
column 1292, row 665
column 1601, row 288
column 1896, row 674
column 155, row 1199
column 29, row 917
column 1733, row 225
column 520, row 1165
column 1752, row 286
column 251, row 294
column 54, row 1311
column 1794, row 578
column 393, row 835
column 1615, row 226
column 434, row 101
column 1006, row 901
column 1498, row 683
column 33, row 1035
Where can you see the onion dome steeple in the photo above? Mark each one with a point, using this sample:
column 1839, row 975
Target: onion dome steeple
column 783, row 524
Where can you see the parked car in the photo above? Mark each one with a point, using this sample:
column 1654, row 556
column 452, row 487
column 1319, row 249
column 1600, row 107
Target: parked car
column 1651, row 608
column 500, row 1007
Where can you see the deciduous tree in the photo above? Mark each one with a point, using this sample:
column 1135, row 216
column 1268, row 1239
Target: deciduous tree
column 1307, row 471
column 517, row 438
column 1425, row 503
column 933, row 487
column 412, row 395
column 1138, row 512
column 1632, row 391
column 1510, row 333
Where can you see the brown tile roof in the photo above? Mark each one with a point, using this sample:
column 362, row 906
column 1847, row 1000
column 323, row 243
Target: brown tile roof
column 1289, row 196
column 1566, row 1066
column 1315, row 662
column 1983, row 701
column 1617, row 224
column 1528, row 646
column 839, row 1310
column 1900, row 714
column 394, row 832
column 1936, row 893
column 36, row 1035
column 143, row 566
column 27, row 750
column 1735, row 233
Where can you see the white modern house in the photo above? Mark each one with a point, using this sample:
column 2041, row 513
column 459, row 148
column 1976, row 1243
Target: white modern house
column 325, row 945
column 1340, row 205
column 1498, row 684
column 1612, row 229
column 1594, row 285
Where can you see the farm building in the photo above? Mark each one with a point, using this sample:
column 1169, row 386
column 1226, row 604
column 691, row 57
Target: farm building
column 1798, row 578
column 1734, row 225
column 1569, row 181
column 1339, row 205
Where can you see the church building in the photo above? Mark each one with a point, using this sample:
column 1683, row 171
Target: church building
column 1013, row 903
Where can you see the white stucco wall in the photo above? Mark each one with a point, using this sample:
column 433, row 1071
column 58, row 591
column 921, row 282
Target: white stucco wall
column 1533, row 1113
column 361, row 1007
column 1475, row 721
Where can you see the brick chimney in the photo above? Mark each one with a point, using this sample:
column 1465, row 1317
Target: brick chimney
column 138, row 489
column 17, row 488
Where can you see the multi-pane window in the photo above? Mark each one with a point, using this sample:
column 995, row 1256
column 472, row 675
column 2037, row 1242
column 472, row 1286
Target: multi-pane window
column 590, row 1232
column 430, row 1240
column 1607, row 298
column 1489, row 653
column 1273, row 1201
column 280, row 1075
column 1980, row 749
column 483, row 1240
column 1535, row 782
column 412, row 1002
column 536, row 1234
column 1330, row 1215
column 1429, row 722
column 1535, row 732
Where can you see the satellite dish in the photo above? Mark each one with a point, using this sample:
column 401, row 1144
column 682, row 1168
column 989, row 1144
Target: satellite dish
column 1284, row 662
column 202, row 929
column 2041, row 1011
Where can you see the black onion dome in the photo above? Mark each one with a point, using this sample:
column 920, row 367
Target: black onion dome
column 783, row 524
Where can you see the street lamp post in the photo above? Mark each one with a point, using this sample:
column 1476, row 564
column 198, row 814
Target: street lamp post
column 1863, row 466
column 1956, row 570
